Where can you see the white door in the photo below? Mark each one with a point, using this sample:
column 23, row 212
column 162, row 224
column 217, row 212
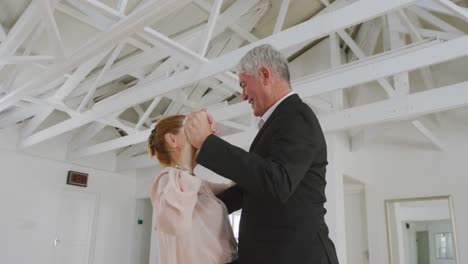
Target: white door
column 75, row 228
column 356, row 224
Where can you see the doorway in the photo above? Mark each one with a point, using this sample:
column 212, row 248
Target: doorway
column 422, row 241
column 357, row 247
column 76, row 228
column 143, row 235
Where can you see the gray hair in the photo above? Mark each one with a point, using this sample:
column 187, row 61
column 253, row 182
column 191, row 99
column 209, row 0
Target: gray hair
column 267, row 56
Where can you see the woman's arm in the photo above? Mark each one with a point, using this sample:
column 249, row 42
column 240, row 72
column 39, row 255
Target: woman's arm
column 174, row 201
column 218, row 188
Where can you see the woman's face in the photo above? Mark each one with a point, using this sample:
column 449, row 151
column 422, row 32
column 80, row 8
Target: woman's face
column 184, row 144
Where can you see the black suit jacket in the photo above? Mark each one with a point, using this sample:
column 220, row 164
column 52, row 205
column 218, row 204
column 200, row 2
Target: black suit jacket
column 280, row 188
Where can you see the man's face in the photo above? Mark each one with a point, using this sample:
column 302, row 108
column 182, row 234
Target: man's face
column 255, row 92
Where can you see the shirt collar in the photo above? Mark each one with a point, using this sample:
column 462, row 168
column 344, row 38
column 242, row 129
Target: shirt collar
column 268, row 113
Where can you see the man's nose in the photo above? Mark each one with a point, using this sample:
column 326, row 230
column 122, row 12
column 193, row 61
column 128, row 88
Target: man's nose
column 244, row 95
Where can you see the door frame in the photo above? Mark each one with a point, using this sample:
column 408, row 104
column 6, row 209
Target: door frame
column 353, row 186
column 97, row 203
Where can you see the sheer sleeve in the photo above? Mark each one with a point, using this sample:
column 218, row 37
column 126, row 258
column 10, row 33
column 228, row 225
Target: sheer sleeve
column 174, row 195
column 218, row 188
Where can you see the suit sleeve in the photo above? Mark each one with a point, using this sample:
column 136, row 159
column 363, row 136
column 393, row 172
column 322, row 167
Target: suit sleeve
column 296, row 144
column 232, row 198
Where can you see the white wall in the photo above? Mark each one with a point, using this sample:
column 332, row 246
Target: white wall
column 31, row 183
column 142, row 234
column 397, row 171
column 144, row 181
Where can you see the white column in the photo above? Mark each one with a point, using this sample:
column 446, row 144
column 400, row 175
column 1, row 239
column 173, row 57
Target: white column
column 337, row 146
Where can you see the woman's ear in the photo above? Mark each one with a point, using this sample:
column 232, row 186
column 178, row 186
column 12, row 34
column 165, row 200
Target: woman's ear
column 170, row 140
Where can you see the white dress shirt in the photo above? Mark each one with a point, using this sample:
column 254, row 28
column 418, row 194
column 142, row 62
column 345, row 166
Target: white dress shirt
column 268, row 113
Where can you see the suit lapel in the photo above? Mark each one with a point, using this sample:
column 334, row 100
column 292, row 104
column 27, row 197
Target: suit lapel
column 260, row 132
column 283, row 105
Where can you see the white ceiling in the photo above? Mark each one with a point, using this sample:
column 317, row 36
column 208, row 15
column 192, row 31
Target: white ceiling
column 97, row 67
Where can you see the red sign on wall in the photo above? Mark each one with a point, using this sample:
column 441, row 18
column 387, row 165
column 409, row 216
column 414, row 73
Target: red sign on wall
column 77, row 178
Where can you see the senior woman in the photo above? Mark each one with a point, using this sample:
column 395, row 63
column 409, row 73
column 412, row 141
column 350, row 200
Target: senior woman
column 192, row 225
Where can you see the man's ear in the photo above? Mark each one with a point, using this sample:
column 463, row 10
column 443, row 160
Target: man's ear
column 170, row 140
column 264, row 74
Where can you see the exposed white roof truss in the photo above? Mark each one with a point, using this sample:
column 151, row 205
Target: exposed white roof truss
column 136, row 69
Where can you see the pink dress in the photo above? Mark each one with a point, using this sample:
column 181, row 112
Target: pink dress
column 192, row 225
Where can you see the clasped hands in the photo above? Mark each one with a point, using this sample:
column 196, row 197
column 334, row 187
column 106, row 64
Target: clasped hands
column 198, row 126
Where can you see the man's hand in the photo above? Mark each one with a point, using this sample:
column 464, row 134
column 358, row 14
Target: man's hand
column 198, row 126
